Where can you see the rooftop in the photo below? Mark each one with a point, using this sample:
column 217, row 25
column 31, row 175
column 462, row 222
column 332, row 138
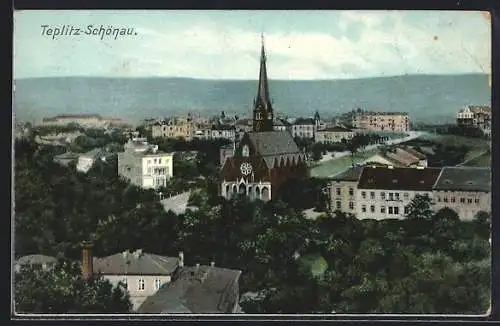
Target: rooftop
column 135, row 263
column 177, row 204
column 351, row 174
column 464, row 179
column 398, row 178
column 203, row 289
column 304, row 121
column 336, row 129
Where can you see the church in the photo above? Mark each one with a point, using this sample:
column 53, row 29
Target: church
column 264, row 159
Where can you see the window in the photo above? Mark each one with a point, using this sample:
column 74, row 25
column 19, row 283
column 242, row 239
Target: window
column 406, row 210
column 372, row 195
column 351, row 205
column 382, row 209
column 397, row 195
column 469, row 200
column 363, row 194
column 351, row 191
column 155, row 161
column 476, row 200
column 406, row 195
column 452, row 199
column 338, row 204
column 462, row 200
column 382, row 195
column 391, row 196
column 372, row 208
column 396, row 210
column 157, row 284
column 445, row 199
column 140, row 284
column 338, row 191
column 439, row 199
column 363, row 208
column 390, row 209
column 125, row 284
column 159, row 161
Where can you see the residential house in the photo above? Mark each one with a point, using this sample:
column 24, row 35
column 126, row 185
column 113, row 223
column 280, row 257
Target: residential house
column 466, row 190
column 46, row 262
column 280, row 125
column 398, row 157
column 304, row 128
column 343, row 190
column 143, row 165
column 476, row 116
column 217, row 132
column 142, row 274
column 381, row 121
column 87, row 160
column 385, row 192
column 197, row 290
column 334, row 134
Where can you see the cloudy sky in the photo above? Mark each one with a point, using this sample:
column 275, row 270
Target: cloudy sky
column 226, row 44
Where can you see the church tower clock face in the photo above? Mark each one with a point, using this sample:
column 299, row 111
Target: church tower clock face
column 246, row 168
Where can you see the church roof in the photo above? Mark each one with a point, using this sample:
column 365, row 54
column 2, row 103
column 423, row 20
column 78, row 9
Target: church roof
column 263, row 100
column 273, row 145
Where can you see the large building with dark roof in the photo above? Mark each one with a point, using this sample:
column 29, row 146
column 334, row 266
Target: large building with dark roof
column 385, row 192
column 264, row 158
column 467, row 190
column 197, row 290
column 380, row 192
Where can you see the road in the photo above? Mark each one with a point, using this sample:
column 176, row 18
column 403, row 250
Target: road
column 411, row 135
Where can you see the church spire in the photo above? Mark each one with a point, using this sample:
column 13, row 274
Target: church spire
column 263, row 111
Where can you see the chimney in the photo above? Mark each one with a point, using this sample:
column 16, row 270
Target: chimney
column 181, row 259
column 87, row 259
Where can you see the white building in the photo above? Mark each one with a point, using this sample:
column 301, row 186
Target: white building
column 385, row 192
column 143, row 165
column 333, row 135
column 142, row 274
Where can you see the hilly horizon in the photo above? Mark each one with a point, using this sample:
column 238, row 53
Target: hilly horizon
column 426, row 98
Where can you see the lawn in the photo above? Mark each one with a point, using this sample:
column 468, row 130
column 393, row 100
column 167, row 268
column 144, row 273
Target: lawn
column 337, row 165
column 483, row 160
column 476, row 145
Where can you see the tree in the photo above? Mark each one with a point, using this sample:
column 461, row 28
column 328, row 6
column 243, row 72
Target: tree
column 64, row 290
column 420, row 208
column 482, row 223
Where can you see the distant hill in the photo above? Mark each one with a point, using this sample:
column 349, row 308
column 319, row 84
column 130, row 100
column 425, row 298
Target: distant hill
column 427, row 98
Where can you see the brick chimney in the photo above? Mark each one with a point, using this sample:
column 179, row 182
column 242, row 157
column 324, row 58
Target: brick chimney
column 87, row 259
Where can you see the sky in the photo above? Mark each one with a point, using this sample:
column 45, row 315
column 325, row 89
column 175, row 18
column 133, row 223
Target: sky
column 226, row 44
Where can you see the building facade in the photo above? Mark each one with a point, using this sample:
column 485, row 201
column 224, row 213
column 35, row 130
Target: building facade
column 174, row 128
column 304, row 128
column 466, row 190
column 343, row 190
column 144, row 166
column 264, row 159
column 333, row 135
column 381, row 121
column 385, row 192
column 87, row 160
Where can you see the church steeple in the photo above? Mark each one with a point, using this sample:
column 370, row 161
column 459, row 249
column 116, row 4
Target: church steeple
column 263, row 111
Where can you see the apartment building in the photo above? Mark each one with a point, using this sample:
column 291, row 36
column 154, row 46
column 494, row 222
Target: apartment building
column 333, row 134
column 381, row 121
column 476, row 116
column 217, row 132
column 343, row 190
column 174, row 128
column 466, row 190
column 381, row 192
column 143, row 165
